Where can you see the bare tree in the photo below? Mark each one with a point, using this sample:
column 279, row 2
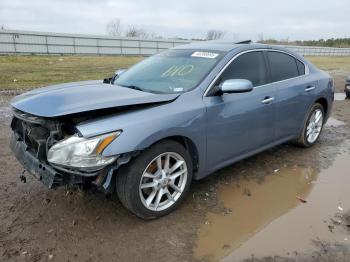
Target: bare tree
column 215, row 34
column 114, row 27
column 134, row 31
column 131, row 31
column 155, row 36
column 2, row 27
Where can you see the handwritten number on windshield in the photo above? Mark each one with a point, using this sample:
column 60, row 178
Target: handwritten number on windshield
column 181, row 70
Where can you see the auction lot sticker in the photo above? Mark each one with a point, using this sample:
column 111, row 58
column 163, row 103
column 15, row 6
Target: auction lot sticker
column 205, row 54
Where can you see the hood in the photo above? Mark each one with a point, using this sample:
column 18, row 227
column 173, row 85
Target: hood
column 79, row 97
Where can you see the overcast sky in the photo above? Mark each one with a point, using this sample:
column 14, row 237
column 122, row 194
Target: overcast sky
column 297, row 19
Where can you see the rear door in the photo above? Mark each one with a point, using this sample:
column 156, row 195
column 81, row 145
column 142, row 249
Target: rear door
column 240, row 123
column 294, row 92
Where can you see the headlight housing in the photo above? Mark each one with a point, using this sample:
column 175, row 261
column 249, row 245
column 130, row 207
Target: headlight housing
column 82, row 153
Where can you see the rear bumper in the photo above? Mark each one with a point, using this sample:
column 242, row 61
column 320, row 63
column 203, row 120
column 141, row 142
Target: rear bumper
column 42, row 171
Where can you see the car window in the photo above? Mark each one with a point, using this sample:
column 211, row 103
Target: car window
column 250, row 66
column 301, row 67
column 172, row 71
column 282, row 66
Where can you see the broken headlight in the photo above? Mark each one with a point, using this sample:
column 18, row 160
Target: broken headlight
column 82, row 153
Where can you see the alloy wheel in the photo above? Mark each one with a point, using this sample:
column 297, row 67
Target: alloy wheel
column 314, row 126
column 163, row 181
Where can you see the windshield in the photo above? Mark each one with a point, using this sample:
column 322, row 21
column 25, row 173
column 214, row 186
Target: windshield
column 173, row 71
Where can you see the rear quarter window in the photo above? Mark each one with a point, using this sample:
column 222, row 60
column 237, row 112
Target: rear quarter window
column 301, row 67
column 282, row 66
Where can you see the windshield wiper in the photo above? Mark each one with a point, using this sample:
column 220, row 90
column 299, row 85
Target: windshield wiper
column 132, row 87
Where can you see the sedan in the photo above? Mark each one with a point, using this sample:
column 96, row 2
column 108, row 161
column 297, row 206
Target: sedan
column 147, row 132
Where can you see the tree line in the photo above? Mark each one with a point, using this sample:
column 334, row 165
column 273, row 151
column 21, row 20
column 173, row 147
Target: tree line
column 116, row 29
column 332, row 42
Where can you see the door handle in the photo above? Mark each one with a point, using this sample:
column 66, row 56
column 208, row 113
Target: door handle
column 268, row 100
column 309, row 88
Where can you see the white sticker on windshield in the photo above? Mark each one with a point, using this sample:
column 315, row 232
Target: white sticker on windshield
column 205, row 54
column 178, row 89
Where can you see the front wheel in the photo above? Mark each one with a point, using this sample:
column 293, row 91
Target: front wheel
column 155, row 183
column 312, row 127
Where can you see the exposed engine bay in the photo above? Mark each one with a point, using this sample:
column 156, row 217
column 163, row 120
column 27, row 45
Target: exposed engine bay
column 32, row 138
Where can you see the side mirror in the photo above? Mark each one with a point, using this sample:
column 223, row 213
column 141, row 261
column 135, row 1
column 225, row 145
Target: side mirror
column 236, row 86
column 112, row 78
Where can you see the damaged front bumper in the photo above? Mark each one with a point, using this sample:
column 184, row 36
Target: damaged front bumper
column 42, row 171
column 52, row 177
column 32, row 137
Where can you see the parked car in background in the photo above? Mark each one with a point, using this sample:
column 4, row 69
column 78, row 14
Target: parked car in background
column 180, row 115
column 347, row 87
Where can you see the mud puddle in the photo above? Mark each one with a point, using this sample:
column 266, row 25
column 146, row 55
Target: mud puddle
column 282, row 214
column 339, row 96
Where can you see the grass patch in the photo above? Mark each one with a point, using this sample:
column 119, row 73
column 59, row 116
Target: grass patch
column 330, row 63
column 27, row 72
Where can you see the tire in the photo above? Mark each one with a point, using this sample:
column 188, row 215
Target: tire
column 132, row 177
column 306, row 140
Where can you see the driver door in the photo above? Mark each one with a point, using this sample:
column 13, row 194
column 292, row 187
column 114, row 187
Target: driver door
column 240, row 124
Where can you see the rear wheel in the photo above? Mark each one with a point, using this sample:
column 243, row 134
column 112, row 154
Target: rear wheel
column 155, row 183
column 312, row 127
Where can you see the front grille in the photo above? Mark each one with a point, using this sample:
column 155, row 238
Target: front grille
column 32, row 133
column 38, row 133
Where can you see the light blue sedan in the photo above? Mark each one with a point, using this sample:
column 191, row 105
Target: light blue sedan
column 180, row 115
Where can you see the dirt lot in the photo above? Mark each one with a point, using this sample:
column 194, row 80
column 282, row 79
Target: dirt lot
column 286, row 204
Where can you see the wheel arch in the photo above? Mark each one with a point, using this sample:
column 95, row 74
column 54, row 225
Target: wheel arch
column 188, row 144
column 323, row 101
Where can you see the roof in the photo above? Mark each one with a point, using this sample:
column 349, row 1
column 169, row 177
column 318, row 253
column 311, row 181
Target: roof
column 215, row 45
